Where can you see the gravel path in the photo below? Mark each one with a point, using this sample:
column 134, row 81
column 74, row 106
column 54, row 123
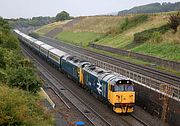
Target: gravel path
column 56, row 31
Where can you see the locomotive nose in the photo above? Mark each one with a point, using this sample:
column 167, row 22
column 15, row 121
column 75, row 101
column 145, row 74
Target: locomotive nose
column 127, row 97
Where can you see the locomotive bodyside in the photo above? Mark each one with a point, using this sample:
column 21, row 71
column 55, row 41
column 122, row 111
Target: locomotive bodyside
column 69, row 65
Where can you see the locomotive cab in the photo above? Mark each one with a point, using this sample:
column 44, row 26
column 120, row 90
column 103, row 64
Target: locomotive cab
column 121, row 95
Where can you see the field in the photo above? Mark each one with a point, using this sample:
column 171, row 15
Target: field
column 96, row 24
column 118, row 32
column 126, row 37
column 78, row 38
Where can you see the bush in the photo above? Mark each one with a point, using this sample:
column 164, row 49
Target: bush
column 24, row 78
column 156, row 37
column 10, row 42
column 144, row 36
column 20, row 108
column 3, row 76
column 129, row 23
column 174, row 21
column 2, row 60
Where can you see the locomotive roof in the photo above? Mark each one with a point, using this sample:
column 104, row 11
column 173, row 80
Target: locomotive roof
column 76, row 61
column 57, row 52
column 119, row 79
column 96, row 71
column 106, row 76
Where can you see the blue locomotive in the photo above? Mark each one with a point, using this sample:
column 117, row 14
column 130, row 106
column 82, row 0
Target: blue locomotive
column 108, row 86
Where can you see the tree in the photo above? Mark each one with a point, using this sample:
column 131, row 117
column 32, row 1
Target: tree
column 174, row 21
column 62, row 16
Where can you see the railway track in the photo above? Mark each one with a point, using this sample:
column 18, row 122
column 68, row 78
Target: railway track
column 159, row 75
column 87, row 109
column 146, row 76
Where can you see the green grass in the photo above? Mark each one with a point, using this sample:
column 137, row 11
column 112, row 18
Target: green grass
column 136, row 61
column 78, row 38
column 118, row 41
column 170, row 51
column 120, row 57
column 132, row 22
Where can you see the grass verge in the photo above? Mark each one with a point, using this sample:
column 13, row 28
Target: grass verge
column 169, row 51
column 136, row 61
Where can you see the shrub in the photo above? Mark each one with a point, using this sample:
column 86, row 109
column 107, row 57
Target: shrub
column 2, row 60
column 174, row 21
column 3, row 76
column 144, row 36
column 18, row 107
column 10, row 42
column 156, row 37
column 129, row 23
column 24, row 78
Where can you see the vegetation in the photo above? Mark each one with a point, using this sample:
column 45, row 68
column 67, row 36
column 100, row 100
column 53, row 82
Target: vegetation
column 174, row 21
column 62, row 16
column 35, row 21
column 129, row 23
column 96, row 24
column 154, row 34
column 47, row 28
column 78, row 38
column 152, row 8
column 20, row 73
column 130, row 32
column 24, row 78
column 21, row 108
column 163, row 50
column 19, row 102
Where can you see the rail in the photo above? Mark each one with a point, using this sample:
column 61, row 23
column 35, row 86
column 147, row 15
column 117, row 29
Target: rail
column 137, row 78
column 162, row 62
column 91, row 115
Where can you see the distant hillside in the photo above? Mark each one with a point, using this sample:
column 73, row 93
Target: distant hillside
column 152, row 8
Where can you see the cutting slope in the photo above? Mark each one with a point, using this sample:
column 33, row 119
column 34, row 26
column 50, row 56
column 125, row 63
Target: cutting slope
column 118, row 32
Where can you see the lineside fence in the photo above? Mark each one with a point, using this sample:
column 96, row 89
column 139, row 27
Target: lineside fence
column 165, row 63
column 137, row 78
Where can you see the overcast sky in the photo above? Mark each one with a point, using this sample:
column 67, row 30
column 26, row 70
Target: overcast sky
column 32, row 8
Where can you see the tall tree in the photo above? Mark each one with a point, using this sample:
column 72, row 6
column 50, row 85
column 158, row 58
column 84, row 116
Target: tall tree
column 62, row 16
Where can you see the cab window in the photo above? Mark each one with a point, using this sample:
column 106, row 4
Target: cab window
column 129, row 87
column 118, row 88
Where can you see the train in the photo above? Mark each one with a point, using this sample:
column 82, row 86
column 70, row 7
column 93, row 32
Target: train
column 110, row 87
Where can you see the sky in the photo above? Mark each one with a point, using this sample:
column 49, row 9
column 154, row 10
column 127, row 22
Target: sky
column 33, row 8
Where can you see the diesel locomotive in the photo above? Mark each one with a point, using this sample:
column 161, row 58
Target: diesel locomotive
column 108, row 86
